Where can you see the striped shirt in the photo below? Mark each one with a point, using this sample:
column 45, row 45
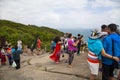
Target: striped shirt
column 92, row 57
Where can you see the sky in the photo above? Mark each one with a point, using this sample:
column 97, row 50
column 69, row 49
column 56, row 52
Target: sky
column 62, row 14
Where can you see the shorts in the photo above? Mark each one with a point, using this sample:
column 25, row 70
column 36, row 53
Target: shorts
column 94, row 68
column 107, row 71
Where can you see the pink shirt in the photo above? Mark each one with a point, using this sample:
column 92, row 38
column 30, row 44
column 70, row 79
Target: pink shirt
column 70, row 45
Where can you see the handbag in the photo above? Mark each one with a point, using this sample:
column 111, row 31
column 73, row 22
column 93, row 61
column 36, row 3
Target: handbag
column 14, row 64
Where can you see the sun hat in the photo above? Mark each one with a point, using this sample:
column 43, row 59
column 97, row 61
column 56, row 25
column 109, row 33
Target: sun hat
column 98, row 35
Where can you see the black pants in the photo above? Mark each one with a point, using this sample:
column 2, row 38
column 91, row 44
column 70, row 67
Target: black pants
column 10, row 60
column 71, row 56
column 18, row 63
column 78, row 46
column 107, row 71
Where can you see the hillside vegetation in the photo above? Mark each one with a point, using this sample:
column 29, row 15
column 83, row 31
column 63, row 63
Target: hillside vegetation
column 13, row 31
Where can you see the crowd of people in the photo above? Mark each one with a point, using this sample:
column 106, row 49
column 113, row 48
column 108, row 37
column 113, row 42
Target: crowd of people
column 67, row 44
column 11, row 54
column 103, row 49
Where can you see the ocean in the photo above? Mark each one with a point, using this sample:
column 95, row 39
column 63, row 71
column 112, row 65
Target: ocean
column 85, row 32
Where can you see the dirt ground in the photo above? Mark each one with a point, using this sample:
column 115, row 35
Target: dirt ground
column 40, row 67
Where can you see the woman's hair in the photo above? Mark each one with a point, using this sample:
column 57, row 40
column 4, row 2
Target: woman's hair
column 78, row 35
column 103, row 26
column 69, row 35
column 56, row 39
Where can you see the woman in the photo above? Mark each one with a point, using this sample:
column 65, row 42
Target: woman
column 39, row 44
column 71, row 49
column 56, row 53
column 9, row 55
column 94, row 54
column 3, row 56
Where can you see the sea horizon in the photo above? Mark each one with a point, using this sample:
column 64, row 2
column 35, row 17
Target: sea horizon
column 85, row 32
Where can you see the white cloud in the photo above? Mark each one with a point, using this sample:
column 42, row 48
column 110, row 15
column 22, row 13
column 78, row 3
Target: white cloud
column 105, row 3
column 61, row 13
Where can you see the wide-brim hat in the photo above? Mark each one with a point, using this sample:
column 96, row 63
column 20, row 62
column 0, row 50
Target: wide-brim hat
column 98, row 35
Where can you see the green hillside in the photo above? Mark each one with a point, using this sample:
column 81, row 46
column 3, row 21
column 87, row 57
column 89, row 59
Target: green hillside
column 13, row 31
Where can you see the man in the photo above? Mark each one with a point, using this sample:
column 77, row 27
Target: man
column 16, row 56
column 107, row 64
column 79, row 44
column 19, row 44
column 104, row 28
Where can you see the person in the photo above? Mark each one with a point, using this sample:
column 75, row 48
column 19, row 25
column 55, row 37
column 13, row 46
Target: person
column 95, row 53
column 82, row 47
column 104, row 28
column 107, row 64
column 52, row 46
column 16, row 56
column 9, row 55
column 79, row 44
column 56, row 53
column 71, row 49
column 3, row 56
column 19, row 44
column 39, row 44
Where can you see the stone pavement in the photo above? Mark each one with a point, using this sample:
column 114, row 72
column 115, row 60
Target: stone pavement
column 43, row 68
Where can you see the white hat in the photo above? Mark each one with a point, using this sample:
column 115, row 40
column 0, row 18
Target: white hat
column 98, row 35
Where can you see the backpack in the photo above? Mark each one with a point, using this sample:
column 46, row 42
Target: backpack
column 16, row 54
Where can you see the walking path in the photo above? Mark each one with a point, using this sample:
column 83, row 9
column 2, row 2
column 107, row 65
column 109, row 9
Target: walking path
column 42, row 68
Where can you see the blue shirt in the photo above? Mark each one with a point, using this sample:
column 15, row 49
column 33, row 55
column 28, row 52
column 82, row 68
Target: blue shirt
column 107, row 44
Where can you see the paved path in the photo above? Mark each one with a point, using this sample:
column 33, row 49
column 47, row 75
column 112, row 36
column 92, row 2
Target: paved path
column 42, row 68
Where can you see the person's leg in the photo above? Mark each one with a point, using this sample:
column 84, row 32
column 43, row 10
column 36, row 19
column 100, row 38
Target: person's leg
column 93, row 70
column 10, row 61
column 105, row 72
column 111, row 75
column 69, row 59
column 17, row 63
column 71, row 56
column 78, row 52
column 92, row 77
column 3, row 60
column 59, row 53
